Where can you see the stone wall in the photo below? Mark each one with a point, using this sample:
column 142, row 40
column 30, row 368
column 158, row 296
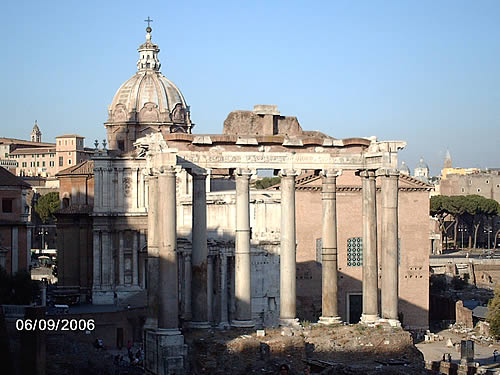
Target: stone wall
column 463, row 315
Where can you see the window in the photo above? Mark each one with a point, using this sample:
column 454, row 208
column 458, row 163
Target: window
column 43, row 164
column 463, row 190
column 69, row 153
column 487, row 181
column 7, row 205
column 6, row 154
column 61, row 161
column 51, row 163
column 355, row 252
column 478, row 190
column 37, row 163
column 69, row 161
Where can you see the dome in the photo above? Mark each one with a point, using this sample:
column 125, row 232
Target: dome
column 404, row 168
column 421, row 164
column 149, row 97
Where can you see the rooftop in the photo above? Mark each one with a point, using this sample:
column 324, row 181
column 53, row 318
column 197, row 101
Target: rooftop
column 69, row 136
column 9, row 179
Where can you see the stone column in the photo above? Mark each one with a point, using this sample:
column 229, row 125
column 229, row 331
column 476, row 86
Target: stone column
column 153, row 251
column 187, row 285
column 106, row 259
column 168, row 315
column 243, row 287
column 135, row 258
column 224, row 319
column 329, row 274
column 97, row 260
column 15, row 249
column 210, row 288
column 390, row 245
column 121, row 259
column 370, row 266
column 199, row 302
column 121, row 193
column 287, row 251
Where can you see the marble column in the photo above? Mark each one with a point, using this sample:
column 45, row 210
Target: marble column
column 106, row 259
column 153, row 253
column 243, row 287
column 121, row 259
column 135, row 257
column 120, row 197
column 187, row 286
column 390, row 245
column 329, row 273
column 210, row 288
column 97, row 260
column 288, row 248
column 370, row 265
column 224, row 318
column 199, row 302
column 168, row 315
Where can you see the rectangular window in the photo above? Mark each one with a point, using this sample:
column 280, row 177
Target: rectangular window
column 37, row 163
column 61, row 161
column 354, row 252
column 7, row 205
column 6, row 154
column 43, row 164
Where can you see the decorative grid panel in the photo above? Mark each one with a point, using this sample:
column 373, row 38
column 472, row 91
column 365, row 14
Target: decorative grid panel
column 355, row 252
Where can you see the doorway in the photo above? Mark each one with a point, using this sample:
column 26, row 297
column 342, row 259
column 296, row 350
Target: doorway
column 354, row 307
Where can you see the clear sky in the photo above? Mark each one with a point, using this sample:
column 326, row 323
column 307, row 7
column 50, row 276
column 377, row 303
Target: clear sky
column 427, row 72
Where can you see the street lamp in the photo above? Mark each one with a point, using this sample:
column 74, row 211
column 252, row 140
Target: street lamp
column 488, row 229
column 43, row 233
column 462, row 228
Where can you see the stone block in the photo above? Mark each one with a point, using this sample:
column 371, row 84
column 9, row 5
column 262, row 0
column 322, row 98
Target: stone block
column 261, row 333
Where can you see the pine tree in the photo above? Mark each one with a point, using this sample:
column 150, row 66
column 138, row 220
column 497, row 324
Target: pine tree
column 494, row 314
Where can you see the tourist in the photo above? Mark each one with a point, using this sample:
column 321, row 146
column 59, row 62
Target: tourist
column 495, row 355
column 284, row 369
column 307, row 370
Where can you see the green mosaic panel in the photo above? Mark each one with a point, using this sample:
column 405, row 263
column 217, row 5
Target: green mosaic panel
column 355, row 252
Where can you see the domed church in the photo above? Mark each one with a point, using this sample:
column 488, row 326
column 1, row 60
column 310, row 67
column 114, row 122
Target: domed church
column 147, row 102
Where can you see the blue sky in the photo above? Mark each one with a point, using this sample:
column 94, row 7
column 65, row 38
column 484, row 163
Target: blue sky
column 427, row 72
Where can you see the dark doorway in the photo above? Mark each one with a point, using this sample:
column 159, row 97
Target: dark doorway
column 119, row 338
column 355, row 308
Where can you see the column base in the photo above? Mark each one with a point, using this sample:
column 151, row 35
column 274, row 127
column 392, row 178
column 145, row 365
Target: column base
column 290, row 322
column 329, row 320
column 151, row 324
column 370, row 319
column 391, row 322
column 243, row 323
column 198, row 325
column 224, row 325
column 165, row 352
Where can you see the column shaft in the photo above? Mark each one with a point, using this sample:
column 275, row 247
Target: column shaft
column 370, row 267
column 97, row 259
column 135, row 258
column 390, row 245
column 153, row 252
column 210, row 288
column 121, row 259
column 287, row 252
column 224, row 319
column 243, row 288
column 168, row 287
column 199, row 302
column 187, row 286
column 329, row 249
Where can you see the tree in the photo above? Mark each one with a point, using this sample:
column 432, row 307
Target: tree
column 265, row 182
column 444, row 207
column 493, row 316
column 47, row 205
column 476, row 210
